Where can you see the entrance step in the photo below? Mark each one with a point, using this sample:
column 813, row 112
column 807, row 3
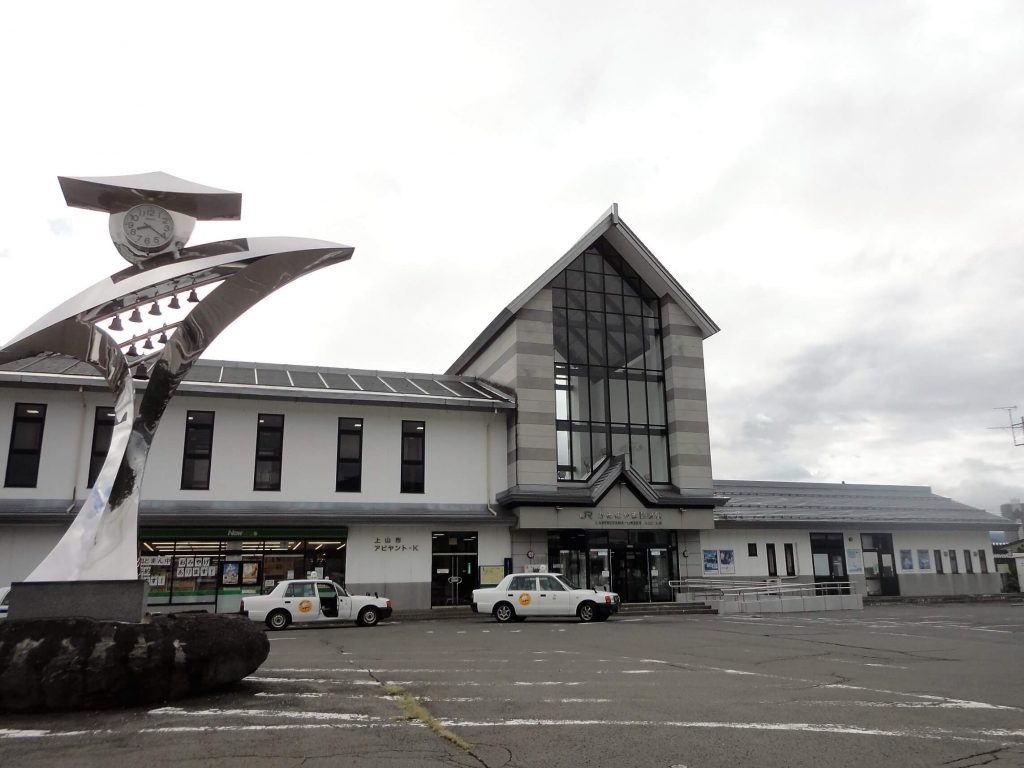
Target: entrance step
column 665, row 608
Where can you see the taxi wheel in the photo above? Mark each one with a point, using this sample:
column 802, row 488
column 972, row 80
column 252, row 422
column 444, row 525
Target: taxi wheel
column 368, row 617
column 587, row 611
column 504, row 612
column 279, row 619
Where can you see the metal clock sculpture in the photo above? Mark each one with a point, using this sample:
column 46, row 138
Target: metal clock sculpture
column 151, row 220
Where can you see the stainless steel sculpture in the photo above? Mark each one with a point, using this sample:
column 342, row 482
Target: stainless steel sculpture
column 101, row 542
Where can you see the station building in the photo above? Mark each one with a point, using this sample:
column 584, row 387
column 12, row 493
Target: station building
column 572, row 434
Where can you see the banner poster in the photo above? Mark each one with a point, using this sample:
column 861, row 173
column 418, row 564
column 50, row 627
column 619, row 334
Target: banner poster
column 230, row 573
column 906, row 560
column 854, row 563
column 250, row 573
column 924, row 559
column 710, row 561
column 726, row 561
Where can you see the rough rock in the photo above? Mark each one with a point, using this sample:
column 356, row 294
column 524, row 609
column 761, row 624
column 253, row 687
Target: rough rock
column 75, row 664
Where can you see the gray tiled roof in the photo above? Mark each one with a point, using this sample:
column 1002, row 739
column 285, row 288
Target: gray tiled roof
column 799, row 504
column 215, row 377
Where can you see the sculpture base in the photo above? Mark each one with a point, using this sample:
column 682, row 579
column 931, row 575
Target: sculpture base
column 80, row 664
column 100, row 600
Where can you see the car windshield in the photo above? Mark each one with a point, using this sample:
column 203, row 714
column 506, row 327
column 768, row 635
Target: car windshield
column 341, row 590
column 567, row 582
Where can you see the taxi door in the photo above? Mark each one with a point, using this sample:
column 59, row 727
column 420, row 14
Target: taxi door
column 553, row 598
column 524, row 595
column 302, row 602
column 344, row 602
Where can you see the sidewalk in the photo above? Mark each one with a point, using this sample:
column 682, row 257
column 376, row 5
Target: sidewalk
column 1006, row 597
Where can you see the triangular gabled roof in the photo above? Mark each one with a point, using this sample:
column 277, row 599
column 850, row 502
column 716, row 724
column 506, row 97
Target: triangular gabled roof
column 631, row 249
column 615, row 469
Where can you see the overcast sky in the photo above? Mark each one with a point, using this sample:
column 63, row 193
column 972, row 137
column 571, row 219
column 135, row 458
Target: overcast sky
column 839, row 185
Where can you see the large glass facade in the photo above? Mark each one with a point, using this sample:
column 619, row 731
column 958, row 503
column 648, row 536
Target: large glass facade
column 609, row 369
column 637, row 564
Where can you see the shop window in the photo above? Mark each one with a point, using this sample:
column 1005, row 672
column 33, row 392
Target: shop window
column 982, row 561
column 752, row 550
column 968, row 562
column 773, row 566
column 790, row 560
column 939, row 568
column 269, row 449
column 195, row 467
column 413, row 456
column 26, row 445
column 102, row 431
column 953, row 567
column 349, row 476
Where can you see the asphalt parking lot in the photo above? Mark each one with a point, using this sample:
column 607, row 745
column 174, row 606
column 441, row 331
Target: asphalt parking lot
column 936, row 685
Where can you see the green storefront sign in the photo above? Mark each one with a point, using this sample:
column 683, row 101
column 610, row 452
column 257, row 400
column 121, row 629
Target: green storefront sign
column 243, row 532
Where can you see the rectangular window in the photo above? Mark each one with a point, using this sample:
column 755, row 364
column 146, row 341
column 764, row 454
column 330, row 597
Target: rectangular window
column 413, row 444
column 195, row 466
column 350, row 456
column 752, row 550
column 773, row 566
column 953, row 567
column 790, row 560
column 968, row 562
column 982, row 561
column 26, row 445
column 102, row 430
column 269, row 450
column 938, row 562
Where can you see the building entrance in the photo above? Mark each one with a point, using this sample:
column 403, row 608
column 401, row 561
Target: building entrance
column 638, row 565
column 453, row 572
column 879, row 564
column 829, row 561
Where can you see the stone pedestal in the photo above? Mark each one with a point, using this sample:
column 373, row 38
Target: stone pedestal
column 100, row 600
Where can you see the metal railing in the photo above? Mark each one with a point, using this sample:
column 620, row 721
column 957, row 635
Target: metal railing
column 753, row 590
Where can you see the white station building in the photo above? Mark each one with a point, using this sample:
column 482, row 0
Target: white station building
column 572, row 434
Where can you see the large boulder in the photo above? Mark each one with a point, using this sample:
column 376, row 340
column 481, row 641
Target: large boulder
column 73, row 664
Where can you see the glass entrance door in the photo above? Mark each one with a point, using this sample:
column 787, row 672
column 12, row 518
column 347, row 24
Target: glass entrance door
column 829, row 560
column 879, row 564
column 659, row 571
column 453, row 568
column 454, row 577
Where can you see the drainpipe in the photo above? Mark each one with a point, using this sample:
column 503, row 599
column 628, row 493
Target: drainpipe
column 487, row 451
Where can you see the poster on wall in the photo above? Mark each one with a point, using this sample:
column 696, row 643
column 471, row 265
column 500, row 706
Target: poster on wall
column 710, row 561
column 230, row 573
column 854, row 563
column 924, row 559
column 726, row 561
column 906, row 560
column 250, row 573
column 491, row 574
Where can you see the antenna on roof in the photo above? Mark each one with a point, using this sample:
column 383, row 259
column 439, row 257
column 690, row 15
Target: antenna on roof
column 1013, row 427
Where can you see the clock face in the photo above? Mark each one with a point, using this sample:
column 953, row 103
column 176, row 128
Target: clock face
column 148, row 227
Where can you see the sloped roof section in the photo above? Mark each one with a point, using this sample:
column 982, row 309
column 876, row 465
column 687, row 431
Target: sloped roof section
column 230, row 378
column 754, row 503
column 613, row 229
column 615, row 469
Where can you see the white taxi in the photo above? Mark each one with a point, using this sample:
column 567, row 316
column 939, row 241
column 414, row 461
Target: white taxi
column 313, row 600
column 521, row 595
